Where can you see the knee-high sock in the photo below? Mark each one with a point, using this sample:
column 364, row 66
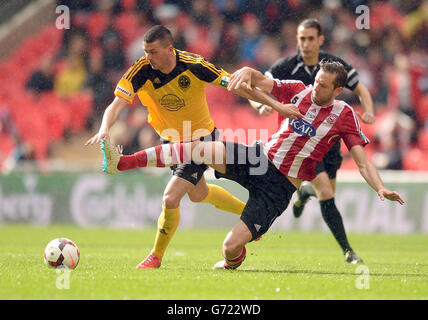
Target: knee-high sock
column 224, row 200
column 164, row 155
column 334, row 221
column 167, row 224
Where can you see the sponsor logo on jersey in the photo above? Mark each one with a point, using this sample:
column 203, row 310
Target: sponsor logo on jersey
column 224, row 82
column 311, row 114
column 302, row 127
column 171, row 102
column 124, row 91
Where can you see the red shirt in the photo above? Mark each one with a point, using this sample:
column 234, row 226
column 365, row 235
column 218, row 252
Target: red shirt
column 299, row 145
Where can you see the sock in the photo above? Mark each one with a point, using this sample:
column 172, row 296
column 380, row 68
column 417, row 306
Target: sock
column 236, row 262
column 167, row 224
column 334, row 221
column 222, row 199
column 165, row 155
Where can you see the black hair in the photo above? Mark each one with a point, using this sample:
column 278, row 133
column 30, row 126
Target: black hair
column 311, row 23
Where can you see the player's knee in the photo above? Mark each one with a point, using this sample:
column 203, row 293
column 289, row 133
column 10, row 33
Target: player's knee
column 231, row 248
column 325, row 193
column 199, row 193
column 171, row 201
column 198, row 197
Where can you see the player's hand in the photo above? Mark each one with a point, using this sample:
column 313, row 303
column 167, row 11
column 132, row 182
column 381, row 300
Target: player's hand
column 240, row 79
column 367, row 117
column 289, row 111
column 390, row 195
column 265, row 110
column 102, row 134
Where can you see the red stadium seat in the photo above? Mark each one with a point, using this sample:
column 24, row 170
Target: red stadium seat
column 423, row 140
column 80, row 106
column 127, row 24
column 422, row 108
column 97, row 23
column 56, row 113
column 413, row 159
column 128, row 4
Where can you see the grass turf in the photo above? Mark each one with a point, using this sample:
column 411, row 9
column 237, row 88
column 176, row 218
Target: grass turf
column 280, row 266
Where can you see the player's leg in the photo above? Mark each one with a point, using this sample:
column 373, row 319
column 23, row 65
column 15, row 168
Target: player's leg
column 331, row 161
column 168, row 221
column 325, row 190
column 217, row 196
column 233, row 249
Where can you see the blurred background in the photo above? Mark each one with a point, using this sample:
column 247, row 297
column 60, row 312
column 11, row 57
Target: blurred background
column 56, row 83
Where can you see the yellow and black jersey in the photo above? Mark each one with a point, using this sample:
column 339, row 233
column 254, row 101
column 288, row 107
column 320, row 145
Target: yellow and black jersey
column 176, row 102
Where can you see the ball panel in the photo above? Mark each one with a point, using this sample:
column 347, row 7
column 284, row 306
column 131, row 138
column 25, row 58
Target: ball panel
column 61, row 252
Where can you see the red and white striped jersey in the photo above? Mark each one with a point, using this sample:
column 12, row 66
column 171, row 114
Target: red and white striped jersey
column 300, row 144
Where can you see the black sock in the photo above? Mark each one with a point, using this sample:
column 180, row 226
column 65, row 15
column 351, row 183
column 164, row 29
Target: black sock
column 334, row 221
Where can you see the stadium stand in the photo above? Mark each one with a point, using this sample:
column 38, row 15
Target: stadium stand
column 391, row 58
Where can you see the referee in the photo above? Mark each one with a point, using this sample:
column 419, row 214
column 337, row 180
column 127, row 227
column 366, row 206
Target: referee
column 304, row 66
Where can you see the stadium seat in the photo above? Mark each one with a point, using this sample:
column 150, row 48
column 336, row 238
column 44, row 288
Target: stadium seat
column 422, row 109
column 423, row 140
column 127, row 24
column 56, row 113
column 97, row 23
column 80, row 106
column 413, row 159
column 128, row 4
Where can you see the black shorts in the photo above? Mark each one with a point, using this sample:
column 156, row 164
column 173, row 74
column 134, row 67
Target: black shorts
column 331, row 162
column 269, row 190
column 192, row 171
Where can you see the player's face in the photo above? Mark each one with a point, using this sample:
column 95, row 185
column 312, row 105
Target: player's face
column 324, row 91
column 309, row 41
column 158, row 55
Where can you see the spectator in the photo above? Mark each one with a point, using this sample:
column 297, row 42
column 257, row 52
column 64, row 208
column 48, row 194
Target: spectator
column 42, row 79
column 100, row 87
column 71, row 79
column 250, row 38
column 113, row 57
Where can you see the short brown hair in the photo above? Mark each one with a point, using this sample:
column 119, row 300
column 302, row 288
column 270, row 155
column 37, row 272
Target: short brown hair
column 337, row 69
column 159, row 32
column 311, row 23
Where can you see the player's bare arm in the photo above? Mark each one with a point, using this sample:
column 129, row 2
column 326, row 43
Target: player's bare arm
column 366, row 102
column 109, row 118
column 253, row 85
column 262, row 109
column 371, row 175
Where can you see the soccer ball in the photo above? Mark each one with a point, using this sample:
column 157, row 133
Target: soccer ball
column 61, row 253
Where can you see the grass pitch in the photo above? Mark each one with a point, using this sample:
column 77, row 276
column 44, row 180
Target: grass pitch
column 280, row 266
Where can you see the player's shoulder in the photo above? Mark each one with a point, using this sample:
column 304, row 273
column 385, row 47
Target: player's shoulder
column 200, row 67
column 286, row 62
column 282, row 68
column 139, row 67
column 345, row 109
